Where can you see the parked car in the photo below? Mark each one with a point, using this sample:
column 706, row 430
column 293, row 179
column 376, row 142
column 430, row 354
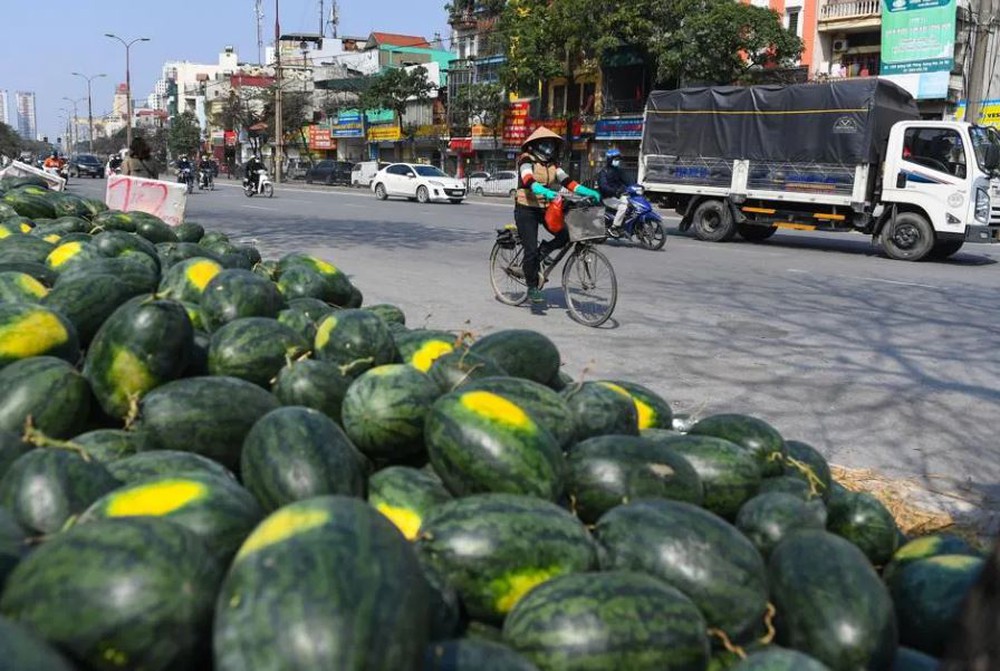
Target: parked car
column 297, row 168
column 503, row 183
column 330, row 172
column 475, row 180
column 418, row 182
column 86, row 164
column 362, row 173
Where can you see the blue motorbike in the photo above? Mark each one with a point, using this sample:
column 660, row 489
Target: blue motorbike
column 642, row 222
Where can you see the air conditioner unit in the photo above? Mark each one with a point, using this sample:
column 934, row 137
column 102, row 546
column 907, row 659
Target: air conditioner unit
column 840, row 45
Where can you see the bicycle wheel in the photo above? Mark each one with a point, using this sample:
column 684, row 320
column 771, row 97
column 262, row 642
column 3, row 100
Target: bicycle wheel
column 506, row 274
column 590, row 286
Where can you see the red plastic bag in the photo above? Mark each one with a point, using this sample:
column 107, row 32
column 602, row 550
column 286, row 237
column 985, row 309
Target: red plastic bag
column 554, row 222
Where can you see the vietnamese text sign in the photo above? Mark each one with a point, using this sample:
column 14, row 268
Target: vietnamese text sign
column 385, row 133
column 918, row 43
column 619, row 129
column 164, row 199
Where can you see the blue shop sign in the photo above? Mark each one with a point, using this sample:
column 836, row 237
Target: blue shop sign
column 619, row 129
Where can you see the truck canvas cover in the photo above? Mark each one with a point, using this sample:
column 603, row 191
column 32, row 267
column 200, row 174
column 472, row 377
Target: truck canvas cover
column 844, row 122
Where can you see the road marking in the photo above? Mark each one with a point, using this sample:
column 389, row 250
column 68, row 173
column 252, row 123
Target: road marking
column 257, row 207
column 873, row 279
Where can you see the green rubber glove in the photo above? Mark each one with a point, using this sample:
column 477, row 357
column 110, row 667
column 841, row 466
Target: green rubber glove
column 587, row 192
column 543, row 192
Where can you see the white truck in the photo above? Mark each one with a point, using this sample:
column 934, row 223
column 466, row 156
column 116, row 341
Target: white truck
column 851, row 155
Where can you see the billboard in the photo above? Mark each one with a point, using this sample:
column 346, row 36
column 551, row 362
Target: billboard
column 918, row 42
column 619, row 129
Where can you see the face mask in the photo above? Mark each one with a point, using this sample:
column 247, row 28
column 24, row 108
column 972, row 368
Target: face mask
column 615, row 163
column 545, row 150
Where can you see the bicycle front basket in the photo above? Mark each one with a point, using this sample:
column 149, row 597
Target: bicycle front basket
column 586, row 223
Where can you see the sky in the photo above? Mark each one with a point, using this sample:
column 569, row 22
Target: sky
column 41, row 47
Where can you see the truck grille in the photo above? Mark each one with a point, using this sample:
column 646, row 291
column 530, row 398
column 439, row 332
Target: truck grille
column 995, row 215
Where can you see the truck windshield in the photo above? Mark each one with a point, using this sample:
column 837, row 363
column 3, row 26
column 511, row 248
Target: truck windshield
column 981, row 139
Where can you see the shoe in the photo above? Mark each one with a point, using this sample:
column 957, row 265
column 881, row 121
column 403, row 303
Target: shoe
column 536, row 296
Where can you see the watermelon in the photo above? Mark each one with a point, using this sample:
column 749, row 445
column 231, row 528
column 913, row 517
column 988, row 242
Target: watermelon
column 154, row 229
column 294, row 453
column 406, row 496
column 216, row 508
column 115, row 220
column 213, row 237
column 546, row 406
column 494, row 548
column 779, row 659
column 928, row 595
column 238, row 293
column 24, row 248
column 106, row 445
column 141, row 590
column 788, row 484
column 419, row 348
column 198, row 365
column 460, row 367
column 314, row 384
column 923, row 547
column 186, row 281
column 207, row 415
column 31, row 201
column 632, row 621
column 693, row 550
column 11, row 447
column 355, row 340
column 752, row 434
column 653, row 412
column 338, row 287
column 254, row 349
column 348, row 587
column 313, row 308
column 865, row 521
column 33, row 330
column 481, row 442
column 45, row 487
column 299, row 322
column 805, row 461
column 444, row 609
column 146, row 465
column 730, row 473
column 767, row 518
column 71, row 256
column 47, row 390
column 116, row 243
column 134, row 269
column 304, row 282
column 831, row 604
column 18, row 287
column 13, row 544
column 600, row 410
column 606, row 471
column 142, row 345
column 38, row 271
column 22, row 650
column 384, row 411
column 88, row 300
column 189, row 231
column 473, row 655
column 172, row 253
column 390, row 314
column 908, row 659
column 521, row 353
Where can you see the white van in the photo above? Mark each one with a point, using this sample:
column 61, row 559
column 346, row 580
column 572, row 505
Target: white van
column 363, row 173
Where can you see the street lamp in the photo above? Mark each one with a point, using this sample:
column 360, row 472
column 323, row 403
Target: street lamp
column 90, row 107
column 128, row 83
column 72, row 138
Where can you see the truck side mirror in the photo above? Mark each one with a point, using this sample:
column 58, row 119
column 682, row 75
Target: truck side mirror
column 992, row 158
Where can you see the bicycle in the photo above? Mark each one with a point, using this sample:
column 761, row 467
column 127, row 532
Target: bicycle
column 588, row 278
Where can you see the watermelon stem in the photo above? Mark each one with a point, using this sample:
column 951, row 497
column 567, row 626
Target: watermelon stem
column 35, row 437
column 133, row 411
column 768, row 638
column 347, row 368
column 727, row 644
column 815, row 484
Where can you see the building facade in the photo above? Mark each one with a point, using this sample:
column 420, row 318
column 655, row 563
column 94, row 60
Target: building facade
column 4, row 107
column 26, row 120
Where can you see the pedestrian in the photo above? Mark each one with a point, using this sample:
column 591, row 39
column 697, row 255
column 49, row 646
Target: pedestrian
column 140, row 162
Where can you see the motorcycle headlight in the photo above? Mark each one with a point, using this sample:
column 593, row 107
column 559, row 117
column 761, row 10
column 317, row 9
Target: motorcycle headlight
column 638, row 190
column 982, row 206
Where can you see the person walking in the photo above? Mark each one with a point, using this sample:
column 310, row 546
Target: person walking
column 140, row 162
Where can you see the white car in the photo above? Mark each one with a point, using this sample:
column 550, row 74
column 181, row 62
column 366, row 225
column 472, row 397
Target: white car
column 475, row 180
column 503, row 183
column 423, row 183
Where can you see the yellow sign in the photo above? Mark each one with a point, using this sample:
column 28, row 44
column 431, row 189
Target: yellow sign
column 431, row 130
column 386, row 133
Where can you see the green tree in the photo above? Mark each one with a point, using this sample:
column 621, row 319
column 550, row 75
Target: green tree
column 483, row 103
column 184, row 136
column 10, row 142
column 393, row 90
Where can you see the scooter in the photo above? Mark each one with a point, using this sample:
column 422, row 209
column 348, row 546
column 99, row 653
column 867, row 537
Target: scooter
column 642, row 222
column 264, row 186
column 186, row 177
column 205, row 180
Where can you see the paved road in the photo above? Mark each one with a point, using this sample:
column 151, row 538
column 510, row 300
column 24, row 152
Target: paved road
column 877, row 363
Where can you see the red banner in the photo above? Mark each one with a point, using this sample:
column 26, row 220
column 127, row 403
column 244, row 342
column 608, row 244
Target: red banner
column 321, row 139
column 518, row 125
column 230, row 138
column 461, row 145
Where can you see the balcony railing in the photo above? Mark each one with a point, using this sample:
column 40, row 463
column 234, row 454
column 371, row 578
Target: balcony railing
column 612, row 106
column 837, row 10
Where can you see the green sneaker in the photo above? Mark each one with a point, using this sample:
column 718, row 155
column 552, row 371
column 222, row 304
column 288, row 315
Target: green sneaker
column 535, row 295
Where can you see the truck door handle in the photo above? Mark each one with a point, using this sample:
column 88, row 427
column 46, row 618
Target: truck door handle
column 901, row 180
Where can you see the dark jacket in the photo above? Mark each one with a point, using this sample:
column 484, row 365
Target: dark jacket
column 611, row 182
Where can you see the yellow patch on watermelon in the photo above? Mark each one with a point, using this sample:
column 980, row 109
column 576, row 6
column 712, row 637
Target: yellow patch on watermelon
column 646, row 414
column 282, row 525
column 4, row 232
column 155, row 498
column 51, row 237
column 918, row 548
column 323, row 331
column 202, row 272
column 25, row 228
column 406, row 520
column 63, row 253
column 956, row 562
column 496, row 408
column 511, row 588
column 324, row 267
column 428, row 352
column 129, row 374
column 30, row 285
column 34, row 333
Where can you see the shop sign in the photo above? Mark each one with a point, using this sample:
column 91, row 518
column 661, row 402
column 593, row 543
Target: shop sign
column 384, row 133
column 918, row 45
column 218, row 138
column 430, row 130
column 460, row 145
column 321, row 139
column 619, row 129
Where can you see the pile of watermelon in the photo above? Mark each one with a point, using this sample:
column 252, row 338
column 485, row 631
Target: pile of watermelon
column 213, row 461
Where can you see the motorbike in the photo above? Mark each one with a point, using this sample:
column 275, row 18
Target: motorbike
column 205, row 180
column 186, row 176
column 264, row 186
column 642, row 222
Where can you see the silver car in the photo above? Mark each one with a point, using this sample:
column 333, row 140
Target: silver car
column 503, row 183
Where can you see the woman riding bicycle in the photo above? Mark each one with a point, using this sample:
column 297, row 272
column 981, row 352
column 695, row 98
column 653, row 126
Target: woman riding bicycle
column 539, row 179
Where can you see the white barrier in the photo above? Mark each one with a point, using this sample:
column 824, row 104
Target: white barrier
column 164, row 199
column 18, row 169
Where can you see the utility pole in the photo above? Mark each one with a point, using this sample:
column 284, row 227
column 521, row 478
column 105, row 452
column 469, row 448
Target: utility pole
column 128, row 83
column 983, row 18
column 278, row 130
column 90, row 107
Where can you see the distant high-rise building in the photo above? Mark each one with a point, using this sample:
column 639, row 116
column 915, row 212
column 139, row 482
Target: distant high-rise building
column 27, row 124
column 4, row 106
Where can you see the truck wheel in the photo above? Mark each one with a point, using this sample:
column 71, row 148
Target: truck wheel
column 713, row 222
column 755, row 232
column 909, row 238
column 945, row 248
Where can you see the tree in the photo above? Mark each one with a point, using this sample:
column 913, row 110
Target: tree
column 10, row 142
column 394, row 89
column 184, row 136
column 483, row 103
column 110, row 144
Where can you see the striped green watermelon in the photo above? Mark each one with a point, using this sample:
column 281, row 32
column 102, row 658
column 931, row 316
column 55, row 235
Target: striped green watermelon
column 134, row 269
column 495, row 548
column 348, row 587
column 779, row 659
column 31, row 201
column 314, row 384
column 473, row 655
column 47, row 390
column 788, row 484
column 116, row 243
column 141, row 592
column 71, row 255
column 88, row 300
column 693, row 550
column 406, row 496
column 384, row 411
column 481, row 442
column 338, row 288
column 601, row 410
column 767, row 518
column 115, row 220
column 189, row 231
column 355, row 340
column 13, row 544
column 631, row 621
column 45, row 487
column 24, row 248
column 831, row 604
column 521, row 353
column 186, row 281
column 805, row 462
column 146, row 465
column 18, row 287
column 420, row 347
column 390, row 314
column 652, row 411
column 294, row 453
column 444, row 610
column 22, row 649
column 33, row 330
column 207, row 415
column 546, row 406
column 154, row 229
column 37, row 270
column 216, row 508
column 172, row 253
column 908, row 659
column 303, row 282
column 752, row 434
column 254, row 349
column 11, row 447
column 606, row 471
column 865, row 521
column 730, row 474
column 461, row 367
column 238, row 293
column 106, row 445
column 923, row 547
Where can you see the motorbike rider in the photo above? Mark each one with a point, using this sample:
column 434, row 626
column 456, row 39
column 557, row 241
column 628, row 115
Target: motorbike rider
column 252, row 170
column 115, row 162
column 183, row 163
column 206, row 167
column 612, row 184
column 53, row 161
column 539, row 178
